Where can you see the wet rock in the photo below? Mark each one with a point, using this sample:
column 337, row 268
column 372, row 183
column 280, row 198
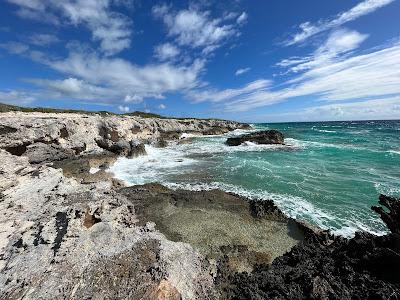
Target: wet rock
column 137, row 148
column 391, row 218
column 259, row 137
column 121, row 147
column 329, row 267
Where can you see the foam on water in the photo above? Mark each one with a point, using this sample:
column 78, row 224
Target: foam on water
column 330, row 180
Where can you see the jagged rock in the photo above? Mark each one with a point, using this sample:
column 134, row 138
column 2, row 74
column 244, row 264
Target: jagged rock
column 93, row 133
column 53, row 247
column 121, row 147
column 259, row 137
column 392, row 218
column 329, row 267
column 137, row 148
column 40, row 152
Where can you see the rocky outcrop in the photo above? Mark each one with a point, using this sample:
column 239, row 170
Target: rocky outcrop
column 330, row 267
column 63, row 239
column 259, row 137
column 71, row 134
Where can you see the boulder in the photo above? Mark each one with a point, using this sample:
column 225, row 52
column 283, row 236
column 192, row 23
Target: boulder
column 40, row 152
column 121, row 148
column 259, row 137
column 137, row 148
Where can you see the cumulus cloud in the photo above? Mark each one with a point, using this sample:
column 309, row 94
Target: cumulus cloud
column 196, row 29
column 166, row 51
column 242, row 71
column 111, row 29
column 123, row 109
column 162, row 106
column 309, row 29
column 93, row 77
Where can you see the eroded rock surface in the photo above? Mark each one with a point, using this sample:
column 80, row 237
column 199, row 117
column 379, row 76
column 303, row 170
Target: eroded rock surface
column 330, row 267
column 258, row 137
column 41, row 136
column 63, row 239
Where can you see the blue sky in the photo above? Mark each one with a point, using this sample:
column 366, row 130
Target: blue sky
column 255, row 61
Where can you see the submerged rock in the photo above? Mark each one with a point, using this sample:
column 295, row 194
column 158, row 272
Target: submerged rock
column 222, row 226
column 259, row 137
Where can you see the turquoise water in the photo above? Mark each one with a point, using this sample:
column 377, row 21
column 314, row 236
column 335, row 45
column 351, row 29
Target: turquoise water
column 329, row 173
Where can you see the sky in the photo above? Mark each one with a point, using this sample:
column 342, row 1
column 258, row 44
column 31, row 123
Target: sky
column 252, row 61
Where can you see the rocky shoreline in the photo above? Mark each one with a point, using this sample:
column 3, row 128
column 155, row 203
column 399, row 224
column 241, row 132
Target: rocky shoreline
column 67, row 232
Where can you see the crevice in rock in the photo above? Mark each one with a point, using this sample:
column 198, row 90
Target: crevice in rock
column 61, row 229
column 17, row 150
column 7, row 129
column 90, row 219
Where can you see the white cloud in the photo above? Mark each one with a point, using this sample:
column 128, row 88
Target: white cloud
column 73, row 88
column 162, row 106
column 338, row 43
column 251, row 88
column 242, row 71
column 166, row 51
column 381, row 109
column 345, row 76
column 16, row 97
column 110, row 28
column 15, row 47
column 113, row 80
column 308, row 29
column 242, row 18
column 43, row 39
column 196, row 29
column 123, row 109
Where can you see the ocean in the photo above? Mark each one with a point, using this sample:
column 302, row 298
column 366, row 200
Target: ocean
column 328, row 173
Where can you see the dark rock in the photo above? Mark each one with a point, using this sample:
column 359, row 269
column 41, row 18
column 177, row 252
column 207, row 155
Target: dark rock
column 159, row 143
column 41, row 152
column 391, row 219
column 324, row 266
column 16, row 150
column 121, row 148
column 216, row 130
column 170, row 135
column 7, row 129
column 79, row 149
column 266, row 208
column 137, row 149
column 259, row 137
column 91, row 219
column 61, row 225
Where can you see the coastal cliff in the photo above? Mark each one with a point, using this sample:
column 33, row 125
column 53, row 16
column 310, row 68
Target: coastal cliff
column 68, row 233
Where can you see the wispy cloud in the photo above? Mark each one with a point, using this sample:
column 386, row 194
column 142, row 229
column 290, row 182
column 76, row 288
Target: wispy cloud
column 242, row 71
column 43, row 39
column 382, row 109
column 16, row 97
column 309, row 29
column 345, row 77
